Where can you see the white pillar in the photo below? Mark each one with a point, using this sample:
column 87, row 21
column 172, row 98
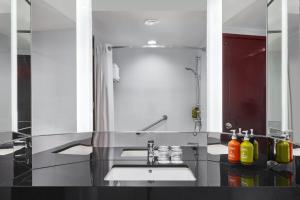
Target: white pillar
column 214, row 66
column 84, row 66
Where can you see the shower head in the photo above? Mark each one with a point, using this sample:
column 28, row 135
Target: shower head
column 192, row 70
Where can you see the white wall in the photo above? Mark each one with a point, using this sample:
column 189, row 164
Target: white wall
column 154, row 82
column 274, row 89
column 5, row 83
column 294, row 64
column 53, row 81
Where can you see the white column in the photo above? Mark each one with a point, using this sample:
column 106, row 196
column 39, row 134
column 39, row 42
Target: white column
column 214, row 66
column 84, row 66
column 14, row 63
column 284, row 67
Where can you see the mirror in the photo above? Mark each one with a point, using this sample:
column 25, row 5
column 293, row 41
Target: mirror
column 293, row 67
column 149, row 70
column 274, row 66
column 283, row 67
column 24, row 66
column 244, row 65
column 53, row 67
column 5, row 65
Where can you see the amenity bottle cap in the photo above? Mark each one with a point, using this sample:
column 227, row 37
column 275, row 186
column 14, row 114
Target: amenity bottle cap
column 251, row 132
column 246, row 135
column 233, row 135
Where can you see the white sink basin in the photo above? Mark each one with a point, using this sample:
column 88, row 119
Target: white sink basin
column 77, row 150
column 134, row 153
column 150, row 174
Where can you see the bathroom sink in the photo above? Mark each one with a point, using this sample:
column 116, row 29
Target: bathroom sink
column 134, row 153
column 150, row 173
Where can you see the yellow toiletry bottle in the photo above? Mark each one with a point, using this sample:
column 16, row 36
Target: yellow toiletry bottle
column 246, row 151
column 282, row 151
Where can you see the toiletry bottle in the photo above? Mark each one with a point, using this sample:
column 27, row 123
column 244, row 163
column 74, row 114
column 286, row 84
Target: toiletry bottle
column 291, row 147
column 246, row 151
column 255, row 145
column 282, row 151
column 234, row 149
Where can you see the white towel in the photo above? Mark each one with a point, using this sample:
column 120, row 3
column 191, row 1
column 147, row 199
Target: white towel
column 217, row 149
column 116, row 73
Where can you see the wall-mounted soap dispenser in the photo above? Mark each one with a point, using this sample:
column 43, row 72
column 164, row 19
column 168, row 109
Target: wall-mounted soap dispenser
column 246, row 150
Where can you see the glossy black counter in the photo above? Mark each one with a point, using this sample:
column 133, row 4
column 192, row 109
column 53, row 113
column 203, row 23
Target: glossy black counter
column 51, row 169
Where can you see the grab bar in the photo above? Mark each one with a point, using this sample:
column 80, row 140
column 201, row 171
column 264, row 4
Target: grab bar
column 164, row 118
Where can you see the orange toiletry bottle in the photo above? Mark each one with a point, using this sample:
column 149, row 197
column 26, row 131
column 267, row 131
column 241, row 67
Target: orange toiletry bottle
column 234, row 149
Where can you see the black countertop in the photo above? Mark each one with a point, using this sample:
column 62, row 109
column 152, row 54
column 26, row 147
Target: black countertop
column 51, row 169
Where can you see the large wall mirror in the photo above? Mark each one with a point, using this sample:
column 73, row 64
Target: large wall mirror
column 24, row 66
column 149, row 67
column 5, row 65
column 244, row 65
column 283, row 67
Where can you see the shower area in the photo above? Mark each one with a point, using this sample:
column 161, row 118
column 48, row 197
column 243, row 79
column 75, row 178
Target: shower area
column 154, row 92
column 149, row 82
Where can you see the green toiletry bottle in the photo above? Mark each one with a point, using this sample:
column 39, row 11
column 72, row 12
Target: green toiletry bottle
column 255, row 145
column 246, row 151
column 282, row 151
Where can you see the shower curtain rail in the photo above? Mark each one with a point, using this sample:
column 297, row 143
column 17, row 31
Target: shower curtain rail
column 164, row 118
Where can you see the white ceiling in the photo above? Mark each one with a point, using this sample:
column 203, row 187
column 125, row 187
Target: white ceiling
column 142, row 5
column 244, row 16
column 53, row 14
column 176, row 28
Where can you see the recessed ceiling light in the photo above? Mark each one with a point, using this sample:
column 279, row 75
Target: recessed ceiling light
column 151, row 22
column 152, row 42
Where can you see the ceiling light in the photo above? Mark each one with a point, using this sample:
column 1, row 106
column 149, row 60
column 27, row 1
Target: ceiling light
column 153, row 46
column 151, row 22
column 152, row 42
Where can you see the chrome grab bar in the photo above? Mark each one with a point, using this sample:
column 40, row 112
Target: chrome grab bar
column 164, row 118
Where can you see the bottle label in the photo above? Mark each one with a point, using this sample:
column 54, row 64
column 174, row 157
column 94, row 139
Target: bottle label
column 233, row 153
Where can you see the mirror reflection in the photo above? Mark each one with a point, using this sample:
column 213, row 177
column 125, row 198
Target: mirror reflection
column 24, row 66
column 149, row 70
column 5, row 65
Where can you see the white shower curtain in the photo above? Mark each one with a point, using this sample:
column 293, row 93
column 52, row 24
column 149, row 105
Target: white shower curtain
column 104, row 98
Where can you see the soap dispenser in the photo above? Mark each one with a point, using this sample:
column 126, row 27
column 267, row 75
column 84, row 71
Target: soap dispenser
column 234, row 149
column 246, row 150
column 255, row 145
column 282, row 150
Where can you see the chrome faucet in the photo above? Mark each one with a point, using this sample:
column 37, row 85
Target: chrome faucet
column 150, row 155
